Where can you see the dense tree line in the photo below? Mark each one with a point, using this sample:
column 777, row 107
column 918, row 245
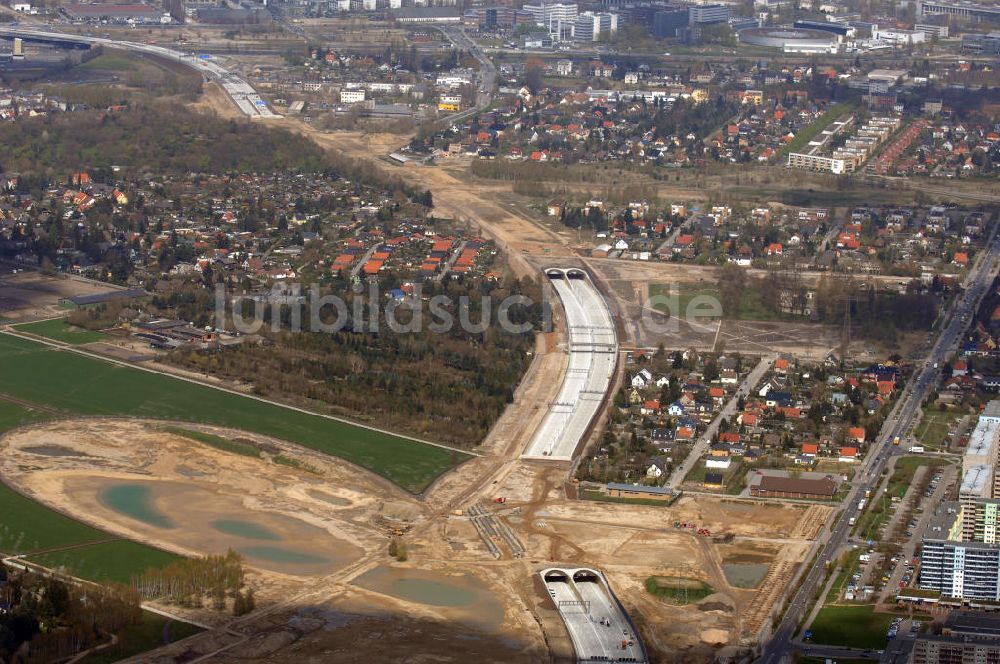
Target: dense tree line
column 193, row 581
column 158, row 138
column 451, row 385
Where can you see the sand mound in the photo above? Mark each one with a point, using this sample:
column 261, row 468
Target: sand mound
column 714, row 636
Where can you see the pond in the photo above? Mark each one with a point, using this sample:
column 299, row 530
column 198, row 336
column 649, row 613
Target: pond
column 745, row 575
column 134, row 501
column 463, row 592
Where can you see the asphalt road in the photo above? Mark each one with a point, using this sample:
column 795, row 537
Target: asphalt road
column 779, row 649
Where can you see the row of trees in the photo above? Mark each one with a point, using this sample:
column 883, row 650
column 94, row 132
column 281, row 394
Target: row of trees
column 193, row 581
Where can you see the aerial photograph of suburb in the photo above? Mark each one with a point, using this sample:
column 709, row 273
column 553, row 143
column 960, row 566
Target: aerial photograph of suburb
column 500, row 331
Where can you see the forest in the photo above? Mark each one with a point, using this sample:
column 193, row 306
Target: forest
column 450, row 386
column 157, row 137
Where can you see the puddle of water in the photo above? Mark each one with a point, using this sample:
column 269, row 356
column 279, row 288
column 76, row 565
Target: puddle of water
column 135, row 502
column 460, row 592
column 329, row 498
column 277, row 554
column 247, row 529
column 54, row 451
column 745, row 575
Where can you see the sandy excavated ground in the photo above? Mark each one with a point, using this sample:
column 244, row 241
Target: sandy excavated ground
column 320, row 613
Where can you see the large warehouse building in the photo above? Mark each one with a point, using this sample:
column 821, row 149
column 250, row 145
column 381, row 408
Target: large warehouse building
column 791, row 40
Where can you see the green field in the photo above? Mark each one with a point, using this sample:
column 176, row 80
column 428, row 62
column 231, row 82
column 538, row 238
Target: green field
column 36, row 373
column 110, row 63
column 851, row 626
column 750, row 307
column 58, row 329
column 154, row 631
column 12, row 415
column 935, row 425
column 116, row 561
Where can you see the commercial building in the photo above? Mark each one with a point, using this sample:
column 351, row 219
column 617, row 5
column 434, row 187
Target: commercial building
column 967, row 9
column 559, row 17
column 898, row 37
column 988, row 44
column 932, row 30
column 589, row 26
column 708, row 14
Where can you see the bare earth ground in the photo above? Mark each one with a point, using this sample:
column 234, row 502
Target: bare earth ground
column 319, row 611
column 31, row 295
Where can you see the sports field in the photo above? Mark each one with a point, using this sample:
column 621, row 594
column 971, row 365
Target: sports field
column 58, row 329
column 40, row 374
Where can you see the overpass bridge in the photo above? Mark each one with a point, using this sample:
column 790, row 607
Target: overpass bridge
column 237, row 88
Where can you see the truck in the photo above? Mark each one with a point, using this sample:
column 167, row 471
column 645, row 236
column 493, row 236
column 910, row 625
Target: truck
column 917, row 449
column 861, row 504
column 895, row 441
column 853, row 520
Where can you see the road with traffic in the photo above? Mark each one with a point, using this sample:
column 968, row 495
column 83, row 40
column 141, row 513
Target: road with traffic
column 781, row 646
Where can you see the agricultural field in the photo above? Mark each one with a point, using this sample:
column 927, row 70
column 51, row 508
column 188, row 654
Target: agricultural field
column 58, row 329
column 13, row 415
column 76, row 384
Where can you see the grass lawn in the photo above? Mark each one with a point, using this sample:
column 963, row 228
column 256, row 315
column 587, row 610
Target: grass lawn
column 110, row 63
column 750, row 308
column 116, row 561
column 58, row 329
column 154, row 631
column 935, row 425
column 678, row 590
column 40, row 374
column 13, row 415
column 851, row 626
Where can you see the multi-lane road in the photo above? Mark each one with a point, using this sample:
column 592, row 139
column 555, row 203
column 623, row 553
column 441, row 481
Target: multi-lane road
column 779, row 649
column 239, row 90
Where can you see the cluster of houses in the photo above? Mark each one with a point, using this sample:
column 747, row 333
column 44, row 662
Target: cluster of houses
column 252, row 230
column 924, row 243
column 798, row 419
column 25, row 104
